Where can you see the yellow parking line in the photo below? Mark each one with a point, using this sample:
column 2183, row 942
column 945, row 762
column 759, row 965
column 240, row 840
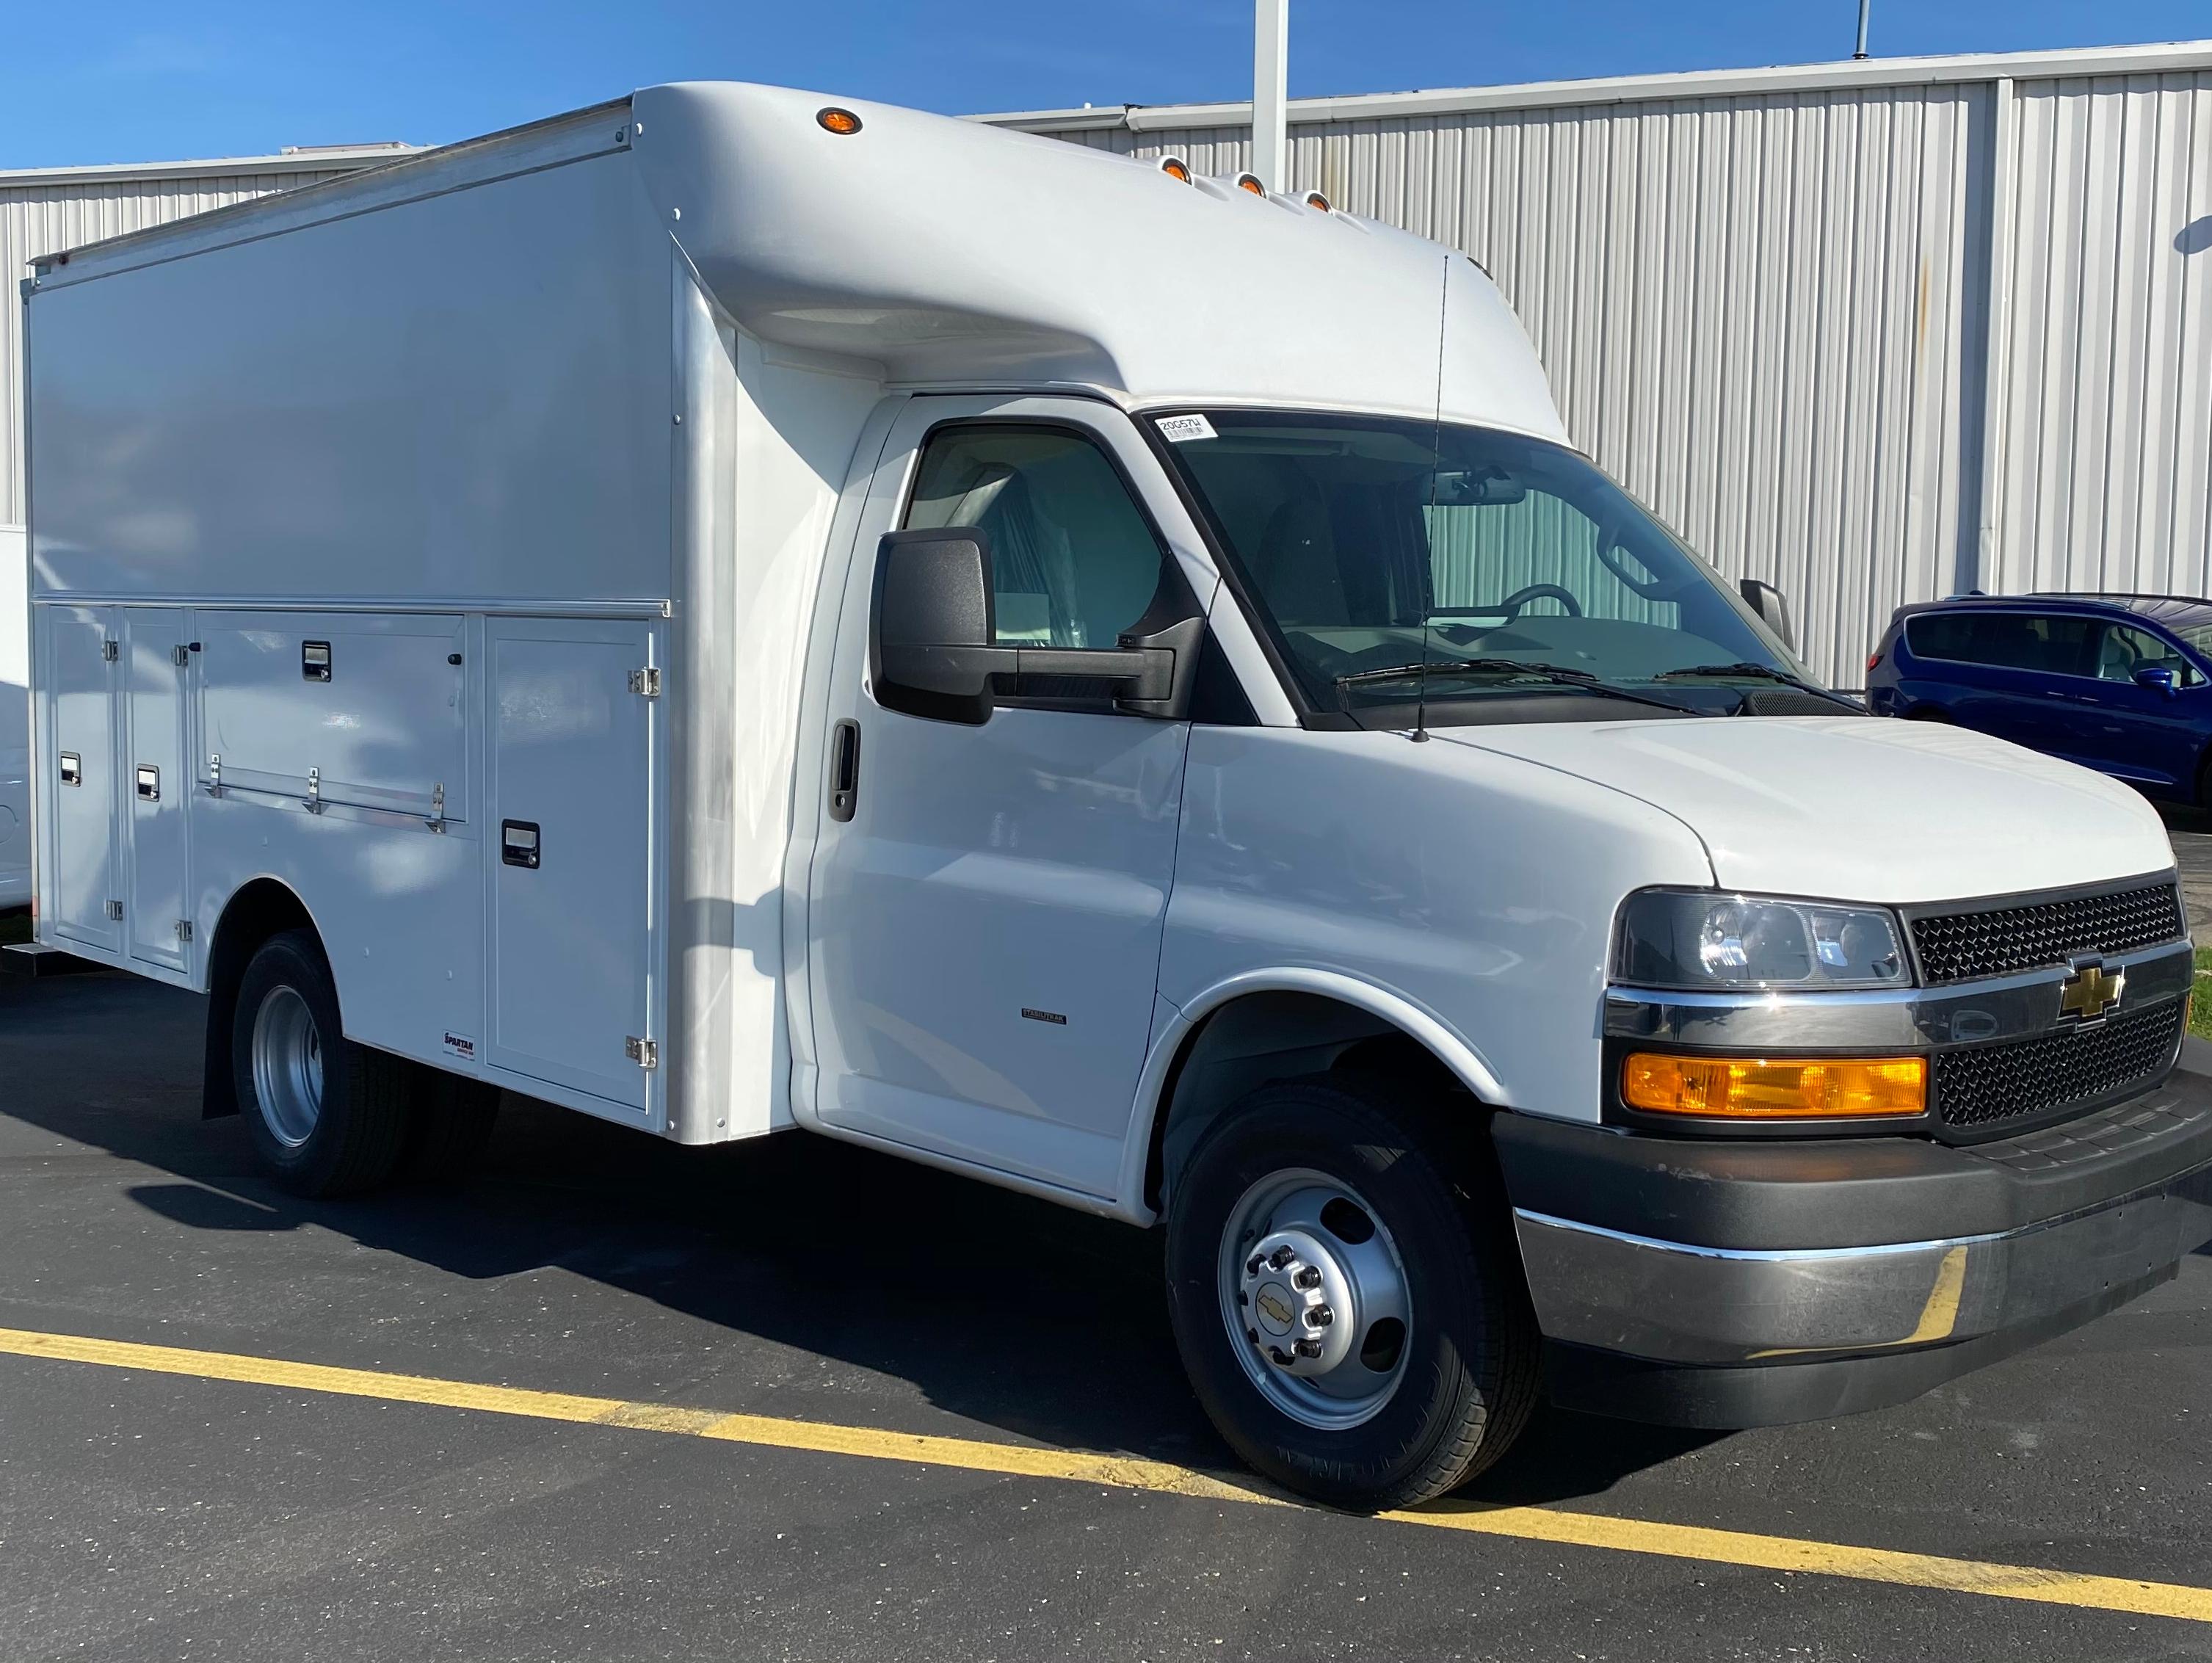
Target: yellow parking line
column 1551, row 1525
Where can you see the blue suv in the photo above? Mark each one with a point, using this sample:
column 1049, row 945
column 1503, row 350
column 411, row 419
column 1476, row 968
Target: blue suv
column 2116, row 682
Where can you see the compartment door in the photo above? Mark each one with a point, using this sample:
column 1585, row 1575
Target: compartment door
column 79, row 784
column 570, row 835
column 155, row 784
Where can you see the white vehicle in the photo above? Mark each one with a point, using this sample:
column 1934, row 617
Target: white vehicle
column 730, row 611
column 14, row 722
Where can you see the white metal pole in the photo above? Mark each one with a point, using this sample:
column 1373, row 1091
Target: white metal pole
column 1864, row 6
column 1271, row 65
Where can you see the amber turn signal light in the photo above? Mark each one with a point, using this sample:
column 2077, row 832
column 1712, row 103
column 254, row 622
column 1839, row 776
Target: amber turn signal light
column 1781, row 1089
column 843, row 122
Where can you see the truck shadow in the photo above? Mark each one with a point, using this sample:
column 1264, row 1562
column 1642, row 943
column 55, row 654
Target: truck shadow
column 1015, row 1313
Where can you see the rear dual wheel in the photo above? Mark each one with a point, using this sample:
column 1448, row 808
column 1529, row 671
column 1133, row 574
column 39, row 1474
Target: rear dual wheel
column 1346, row 1300
column 327, row 1117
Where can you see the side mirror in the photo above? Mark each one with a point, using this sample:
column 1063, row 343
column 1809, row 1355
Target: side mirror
column 933, row 628
column 933, row 638
column 2161, row 678
column 1768, row 601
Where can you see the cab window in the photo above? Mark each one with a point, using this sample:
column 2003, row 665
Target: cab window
column 1074, row 561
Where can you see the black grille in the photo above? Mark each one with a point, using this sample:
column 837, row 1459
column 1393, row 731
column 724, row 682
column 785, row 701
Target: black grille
column 1960, row 947
column 1987, row 1084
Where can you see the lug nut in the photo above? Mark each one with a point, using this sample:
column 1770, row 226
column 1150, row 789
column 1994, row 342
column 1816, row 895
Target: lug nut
column 1319, row 1317
column 1252, row 1266
column 1308, row 1277
column 1280, row 1257
column 1308, row 1348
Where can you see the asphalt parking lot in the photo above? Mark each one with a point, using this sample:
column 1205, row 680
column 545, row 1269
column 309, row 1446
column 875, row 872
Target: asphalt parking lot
column 233, row 1425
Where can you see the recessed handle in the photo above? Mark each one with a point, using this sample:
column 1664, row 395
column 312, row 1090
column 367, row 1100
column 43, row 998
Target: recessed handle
column 315, row 660
column 150, row 782
column 844, row 770
column 518, row 843
column 72, row 769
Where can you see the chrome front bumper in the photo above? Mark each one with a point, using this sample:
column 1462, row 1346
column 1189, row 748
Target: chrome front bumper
column 1671, row 1302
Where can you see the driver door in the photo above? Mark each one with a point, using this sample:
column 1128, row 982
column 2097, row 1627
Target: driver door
column 986, row 899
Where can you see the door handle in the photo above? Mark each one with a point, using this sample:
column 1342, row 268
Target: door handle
column 844, row 768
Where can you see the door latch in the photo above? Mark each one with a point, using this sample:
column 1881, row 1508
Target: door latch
column 314, row 798
column 115, row 911
column 645, row 683
column 110, row 650
column 519, row 844
column 646, row 1053
column 185, row 929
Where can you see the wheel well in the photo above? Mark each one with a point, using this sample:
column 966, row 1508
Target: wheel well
column 1263, row 1036
column 262, row 908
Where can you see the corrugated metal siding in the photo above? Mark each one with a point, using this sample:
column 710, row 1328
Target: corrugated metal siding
column 45, row 219
column 2103, row 470
column 1755, row 312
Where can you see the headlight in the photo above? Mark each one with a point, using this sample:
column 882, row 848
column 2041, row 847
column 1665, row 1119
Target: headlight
column 1696, row 940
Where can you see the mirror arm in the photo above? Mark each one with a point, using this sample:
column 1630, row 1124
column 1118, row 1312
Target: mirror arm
column 1171, row 656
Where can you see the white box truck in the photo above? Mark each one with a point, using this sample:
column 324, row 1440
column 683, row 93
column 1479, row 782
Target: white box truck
column 731, row 611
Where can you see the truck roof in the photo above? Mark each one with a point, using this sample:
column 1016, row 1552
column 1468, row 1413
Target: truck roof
column 952, row 253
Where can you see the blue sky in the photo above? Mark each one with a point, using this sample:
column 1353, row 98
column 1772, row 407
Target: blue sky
column 134, row 80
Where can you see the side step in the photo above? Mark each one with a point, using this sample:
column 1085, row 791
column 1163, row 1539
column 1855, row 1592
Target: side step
column 31, row 960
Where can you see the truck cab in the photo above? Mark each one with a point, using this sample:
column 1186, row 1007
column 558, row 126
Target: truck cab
column 790, row 614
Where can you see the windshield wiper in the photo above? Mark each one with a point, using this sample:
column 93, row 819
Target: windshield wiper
column 1743, row 669
column 1558, row 675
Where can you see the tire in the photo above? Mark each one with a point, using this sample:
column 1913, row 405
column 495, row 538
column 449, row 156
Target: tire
column 453, row 1120
column 325, row 1117
column 1371, row 1428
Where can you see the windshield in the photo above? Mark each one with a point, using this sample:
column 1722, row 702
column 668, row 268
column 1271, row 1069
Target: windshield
column 1513, row 566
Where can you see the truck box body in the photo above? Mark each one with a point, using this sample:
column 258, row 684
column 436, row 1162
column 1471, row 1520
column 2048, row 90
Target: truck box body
column 728, row 612
column 15, row 721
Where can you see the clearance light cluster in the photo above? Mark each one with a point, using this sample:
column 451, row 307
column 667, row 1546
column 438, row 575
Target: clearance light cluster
column 1178, row 168
column 1787, row 1088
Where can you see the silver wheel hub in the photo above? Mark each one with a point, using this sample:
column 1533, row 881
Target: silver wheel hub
column 288, row 1067
column 1314, row 1294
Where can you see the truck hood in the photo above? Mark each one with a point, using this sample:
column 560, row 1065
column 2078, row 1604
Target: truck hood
column 1858, row 808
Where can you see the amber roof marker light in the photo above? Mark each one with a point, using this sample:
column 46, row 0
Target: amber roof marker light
column 1315, row 200
column 842, row 122
column 1251, row 182
column 1175, row 167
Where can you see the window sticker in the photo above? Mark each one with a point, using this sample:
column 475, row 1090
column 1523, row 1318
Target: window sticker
column 1181, row 430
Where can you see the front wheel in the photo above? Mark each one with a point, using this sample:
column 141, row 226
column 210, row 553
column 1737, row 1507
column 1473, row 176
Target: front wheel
column 1353, row 1318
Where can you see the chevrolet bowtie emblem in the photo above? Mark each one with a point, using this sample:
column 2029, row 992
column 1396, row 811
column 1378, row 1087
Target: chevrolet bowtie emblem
column 2091, row 990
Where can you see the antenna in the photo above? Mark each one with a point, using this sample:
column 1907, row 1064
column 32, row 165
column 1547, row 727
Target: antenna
column 1429, row 567
column 1864, row 5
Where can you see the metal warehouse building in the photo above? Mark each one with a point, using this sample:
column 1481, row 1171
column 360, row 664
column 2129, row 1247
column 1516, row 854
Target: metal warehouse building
column 1876, row 331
